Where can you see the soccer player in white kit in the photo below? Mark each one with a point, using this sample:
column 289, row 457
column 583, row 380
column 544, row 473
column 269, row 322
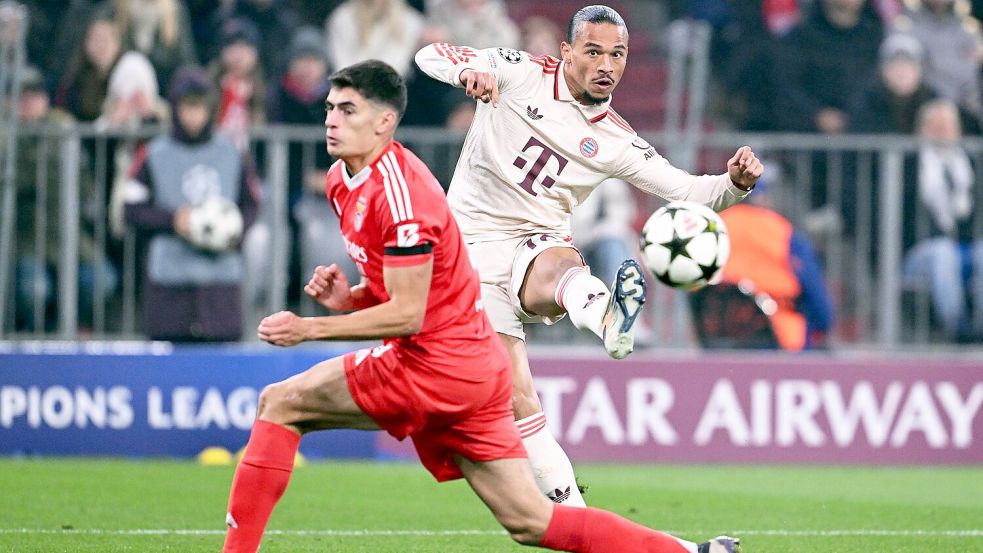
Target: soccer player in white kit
column 543, row 137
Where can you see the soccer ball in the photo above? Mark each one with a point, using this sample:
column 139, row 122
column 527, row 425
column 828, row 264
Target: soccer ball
column 685, row 245
column 215, row 225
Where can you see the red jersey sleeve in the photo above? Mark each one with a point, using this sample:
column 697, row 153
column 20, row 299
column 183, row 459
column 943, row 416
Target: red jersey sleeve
column 412, row 220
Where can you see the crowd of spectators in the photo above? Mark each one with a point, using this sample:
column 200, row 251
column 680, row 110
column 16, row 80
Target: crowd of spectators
column 814, row 66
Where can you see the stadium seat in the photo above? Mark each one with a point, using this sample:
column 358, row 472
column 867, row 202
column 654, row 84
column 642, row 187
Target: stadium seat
column 728, row 316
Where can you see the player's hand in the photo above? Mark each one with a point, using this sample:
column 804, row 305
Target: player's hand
column 282, row 329
column 480, row 86
column 744, row 168
column 329, row 287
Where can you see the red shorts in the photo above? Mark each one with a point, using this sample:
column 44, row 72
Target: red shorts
column 443, row 415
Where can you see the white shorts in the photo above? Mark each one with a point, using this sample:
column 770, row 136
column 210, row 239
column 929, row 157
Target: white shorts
column 502, row 266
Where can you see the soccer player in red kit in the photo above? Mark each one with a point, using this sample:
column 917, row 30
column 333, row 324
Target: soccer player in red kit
column 441, row 376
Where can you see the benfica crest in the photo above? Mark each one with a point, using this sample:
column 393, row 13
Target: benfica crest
column 360, row 205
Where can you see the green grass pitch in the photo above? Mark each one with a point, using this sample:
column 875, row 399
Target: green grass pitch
column 69, row 505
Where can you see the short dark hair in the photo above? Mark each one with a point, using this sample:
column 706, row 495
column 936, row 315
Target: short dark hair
column 594, row 14
column 375, row 80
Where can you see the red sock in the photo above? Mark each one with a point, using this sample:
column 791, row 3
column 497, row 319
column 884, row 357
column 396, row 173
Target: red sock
column 260, row 480
column 595, row 531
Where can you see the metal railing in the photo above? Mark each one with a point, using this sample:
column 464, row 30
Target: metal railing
column 13, row 37
column 838, row 181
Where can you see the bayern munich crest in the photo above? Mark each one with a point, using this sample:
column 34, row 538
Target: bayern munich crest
column 588, row 147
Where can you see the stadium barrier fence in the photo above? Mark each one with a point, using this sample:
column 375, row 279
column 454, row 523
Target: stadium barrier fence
column 848, row 192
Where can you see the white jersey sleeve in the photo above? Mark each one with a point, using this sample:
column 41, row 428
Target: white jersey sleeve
column 445, row 62
column 644, row 168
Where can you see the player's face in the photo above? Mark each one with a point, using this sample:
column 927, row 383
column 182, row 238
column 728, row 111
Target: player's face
column 595, row 61
column 354, row 125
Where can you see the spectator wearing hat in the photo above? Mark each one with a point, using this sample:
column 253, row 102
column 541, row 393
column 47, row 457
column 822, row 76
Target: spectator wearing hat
column 301, row 90
column 891, row 103
column 190, row 293
column 239, row 79
column 298, row 99
column 275, row 20
column 38, row 198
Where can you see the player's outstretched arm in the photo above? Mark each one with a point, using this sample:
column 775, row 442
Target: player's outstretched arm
column 401, row 315
column 648, row 171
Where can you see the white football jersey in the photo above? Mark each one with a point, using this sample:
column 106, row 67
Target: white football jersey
column 528, row 162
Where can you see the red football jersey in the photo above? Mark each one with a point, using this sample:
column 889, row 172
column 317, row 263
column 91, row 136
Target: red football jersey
column 394, row 213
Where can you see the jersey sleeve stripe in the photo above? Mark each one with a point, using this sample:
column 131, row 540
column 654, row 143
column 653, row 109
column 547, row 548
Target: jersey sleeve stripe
column 337, row 208
column 394, row 208
column 620, row 121
column 544, row 59
column 452, row 52
column 397, row 171
column 439, row 47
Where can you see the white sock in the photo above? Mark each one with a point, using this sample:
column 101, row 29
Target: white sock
column 585, row 298
column 550, row 465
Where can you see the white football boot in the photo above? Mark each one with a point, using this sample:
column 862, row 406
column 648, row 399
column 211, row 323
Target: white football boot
column 627, row 298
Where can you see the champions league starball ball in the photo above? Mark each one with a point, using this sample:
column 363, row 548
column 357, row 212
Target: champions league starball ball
column 685, row 245
column 215, row 225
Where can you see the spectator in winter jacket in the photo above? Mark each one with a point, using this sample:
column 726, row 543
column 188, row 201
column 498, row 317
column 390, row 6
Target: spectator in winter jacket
column 191, row 292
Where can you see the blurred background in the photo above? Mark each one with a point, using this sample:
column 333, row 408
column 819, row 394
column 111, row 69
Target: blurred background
column 867, row 112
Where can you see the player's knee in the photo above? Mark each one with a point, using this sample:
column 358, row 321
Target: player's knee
column 271, row 402
column 553, row 272
column 540, row 285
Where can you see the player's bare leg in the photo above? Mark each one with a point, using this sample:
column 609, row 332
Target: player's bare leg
column 313, row 400
column 558, row 281
column 506, row 486
column 551, row 467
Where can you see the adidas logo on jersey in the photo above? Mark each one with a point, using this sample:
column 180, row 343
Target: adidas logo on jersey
column 533, row 113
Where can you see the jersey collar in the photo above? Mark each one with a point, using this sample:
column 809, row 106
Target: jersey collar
column 561, row 92
column 354, row 181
